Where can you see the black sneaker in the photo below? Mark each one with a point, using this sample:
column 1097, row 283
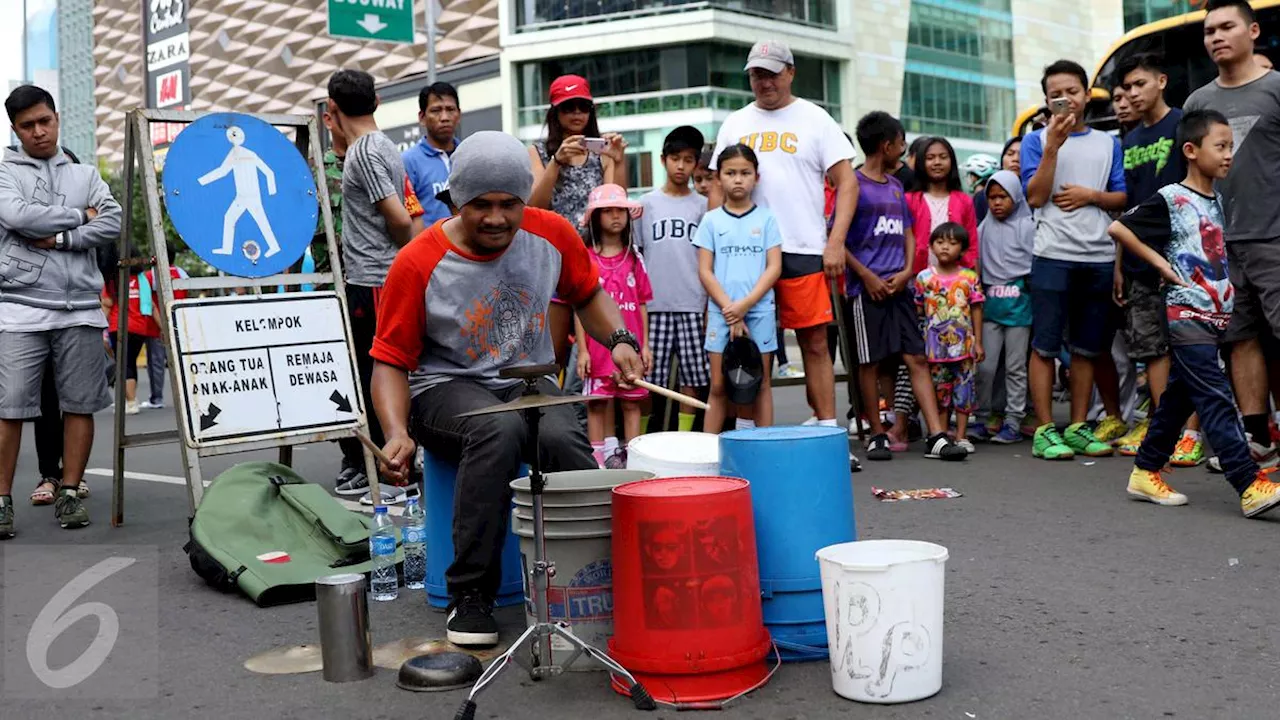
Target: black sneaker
column 471, row 622
column 351, row 481
column 878, row 448
column 854, row 464
column 941, row 447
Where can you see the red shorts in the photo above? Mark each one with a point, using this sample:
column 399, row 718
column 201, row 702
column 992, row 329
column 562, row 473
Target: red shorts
column 606, row 388
column 804, row 301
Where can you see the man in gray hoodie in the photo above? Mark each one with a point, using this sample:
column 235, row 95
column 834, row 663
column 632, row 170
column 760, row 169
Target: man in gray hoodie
column 54, row 214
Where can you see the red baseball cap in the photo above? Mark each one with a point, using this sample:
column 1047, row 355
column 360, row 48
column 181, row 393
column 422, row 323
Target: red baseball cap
column 570, row 87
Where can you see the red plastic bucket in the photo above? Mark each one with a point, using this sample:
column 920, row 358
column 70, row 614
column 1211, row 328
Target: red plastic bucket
column 686, row 587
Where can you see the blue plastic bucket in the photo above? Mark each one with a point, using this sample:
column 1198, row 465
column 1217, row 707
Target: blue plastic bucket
column 438, row 480
column 802, row 500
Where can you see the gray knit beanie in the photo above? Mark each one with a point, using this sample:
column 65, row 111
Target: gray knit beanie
column 489, row 161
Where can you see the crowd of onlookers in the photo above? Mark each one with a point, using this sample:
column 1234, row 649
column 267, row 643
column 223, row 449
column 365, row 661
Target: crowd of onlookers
column 971, row 297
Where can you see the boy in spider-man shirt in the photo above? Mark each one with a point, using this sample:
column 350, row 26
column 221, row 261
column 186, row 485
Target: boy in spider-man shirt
column 1179, row 232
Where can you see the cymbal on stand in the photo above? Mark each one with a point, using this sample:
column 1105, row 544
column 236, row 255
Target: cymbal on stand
column 525, row 402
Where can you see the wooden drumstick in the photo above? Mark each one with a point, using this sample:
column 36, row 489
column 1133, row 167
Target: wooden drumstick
column 373, row 448
column 671, row 394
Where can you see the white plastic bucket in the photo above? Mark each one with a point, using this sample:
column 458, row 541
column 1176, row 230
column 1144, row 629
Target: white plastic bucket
column 675, row 454
column 883, row 602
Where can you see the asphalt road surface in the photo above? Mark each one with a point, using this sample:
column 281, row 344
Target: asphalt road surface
column 1063, row 600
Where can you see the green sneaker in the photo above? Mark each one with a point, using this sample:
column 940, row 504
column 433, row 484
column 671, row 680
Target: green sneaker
column 70, row 511
column 1082, row 440
column 1049, row 445
column 6, row 517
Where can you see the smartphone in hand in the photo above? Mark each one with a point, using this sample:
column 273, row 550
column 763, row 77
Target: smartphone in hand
column 595, row 146
column 1059, row 106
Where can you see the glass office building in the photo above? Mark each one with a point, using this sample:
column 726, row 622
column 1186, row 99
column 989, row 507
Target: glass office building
column 40, row 41
column 54, row 35
column 959, row 79
column 946, row 67
column 678, row 77
column 1141, row 12
column 541, row 14
column 643, row 90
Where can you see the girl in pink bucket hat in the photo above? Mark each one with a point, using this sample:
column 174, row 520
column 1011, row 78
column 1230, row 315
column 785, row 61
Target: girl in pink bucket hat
column 610, row 196
column 622, row 274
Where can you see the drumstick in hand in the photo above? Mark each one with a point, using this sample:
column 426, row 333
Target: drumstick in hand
column 373, row 448
column 671, row 394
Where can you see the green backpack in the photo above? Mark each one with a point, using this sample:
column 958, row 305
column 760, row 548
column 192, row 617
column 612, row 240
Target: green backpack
column 254, row 512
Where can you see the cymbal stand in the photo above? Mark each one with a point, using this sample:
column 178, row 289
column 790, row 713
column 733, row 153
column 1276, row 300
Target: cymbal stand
column 537, row 660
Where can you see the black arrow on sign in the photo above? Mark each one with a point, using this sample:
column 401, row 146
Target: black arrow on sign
column 337, row 398
column 210, row 418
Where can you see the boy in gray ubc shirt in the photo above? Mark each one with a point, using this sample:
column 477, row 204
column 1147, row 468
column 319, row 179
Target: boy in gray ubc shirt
column 671, row 215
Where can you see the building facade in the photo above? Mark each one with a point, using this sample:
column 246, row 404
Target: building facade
column 959, row 68
column 1141, row 12
column 272, row 56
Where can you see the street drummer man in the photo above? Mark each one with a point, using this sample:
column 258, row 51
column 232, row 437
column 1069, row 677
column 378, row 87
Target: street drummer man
column 463, row 301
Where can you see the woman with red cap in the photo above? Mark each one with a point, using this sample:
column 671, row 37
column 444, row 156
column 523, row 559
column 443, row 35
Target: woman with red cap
column 565, row 171
column 565, row 167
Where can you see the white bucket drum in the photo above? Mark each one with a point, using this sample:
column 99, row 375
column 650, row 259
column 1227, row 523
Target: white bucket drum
column 675, row 454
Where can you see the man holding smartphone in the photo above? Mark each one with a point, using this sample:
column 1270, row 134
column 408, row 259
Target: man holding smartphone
column 1073, row 176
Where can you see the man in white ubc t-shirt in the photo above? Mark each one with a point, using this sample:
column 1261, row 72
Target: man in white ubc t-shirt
column 798, row 145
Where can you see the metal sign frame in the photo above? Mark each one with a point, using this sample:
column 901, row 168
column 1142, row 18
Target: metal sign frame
column 140, row 159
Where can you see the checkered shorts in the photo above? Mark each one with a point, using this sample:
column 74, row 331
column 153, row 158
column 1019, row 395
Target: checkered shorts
column 680, row 333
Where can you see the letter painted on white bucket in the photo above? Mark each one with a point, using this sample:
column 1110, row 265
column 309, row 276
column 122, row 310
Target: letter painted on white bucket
column 906, row 645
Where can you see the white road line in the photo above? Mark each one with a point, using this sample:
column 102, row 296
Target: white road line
column 396, row 510
column 149, row 477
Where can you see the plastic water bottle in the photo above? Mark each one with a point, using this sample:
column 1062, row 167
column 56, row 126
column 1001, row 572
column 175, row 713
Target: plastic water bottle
column 382, row 550
column 413, row 535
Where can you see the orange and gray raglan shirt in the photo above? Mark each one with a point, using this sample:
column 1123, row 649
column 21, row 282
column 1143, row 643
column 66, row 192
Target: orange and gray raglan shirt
column 445, row 313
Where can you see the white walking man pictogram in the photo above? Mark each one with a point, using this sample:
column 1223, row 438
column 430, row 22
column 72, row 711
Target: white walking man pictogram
column 244, row 164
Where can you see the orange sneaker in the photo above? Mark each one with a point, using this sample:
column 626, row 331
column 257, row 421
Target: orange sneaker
column 1150, row 486
column 1189, row 451
column 1261, row 495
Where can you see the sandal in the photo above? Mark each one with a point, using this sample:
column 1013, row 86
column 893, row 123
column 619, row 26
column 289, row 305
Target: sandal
column 41, row 496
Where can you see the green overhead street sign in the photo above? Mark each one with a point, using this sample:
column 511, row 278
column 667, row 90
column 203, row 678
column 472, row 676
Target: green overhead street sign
column 381, row 20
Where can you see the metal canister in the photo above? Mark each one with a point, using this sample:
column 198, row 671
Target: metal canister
column 345, row 645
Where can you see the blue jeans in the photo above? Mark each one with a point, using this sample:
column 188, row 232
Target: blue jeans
column 1075, row 297
column 1197, row 384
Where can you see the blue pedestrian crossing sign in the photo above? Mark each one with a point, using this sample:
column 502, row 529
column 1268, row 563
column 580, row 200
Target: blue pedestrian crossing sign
column 240, row 194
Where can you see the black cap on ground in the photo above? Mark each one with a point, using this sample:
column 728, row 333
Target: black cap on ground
column 743, row 370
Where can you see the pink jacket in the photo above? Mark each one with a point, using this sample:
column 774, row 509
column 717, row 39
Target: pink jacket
column 959, row 209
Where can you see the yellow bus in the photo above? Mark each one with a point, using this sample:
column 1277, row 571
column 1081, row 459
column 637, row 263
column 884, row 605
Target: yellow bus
column 1180, row 41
